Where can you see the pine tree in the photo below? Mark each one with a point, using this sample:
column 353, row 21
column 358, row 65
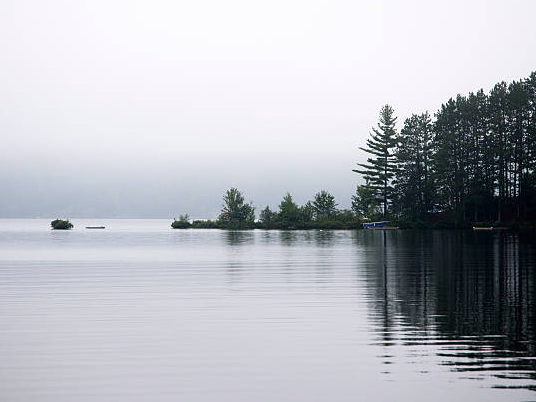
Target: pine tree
column 379, row 170
column 413, row 184
column 518, row 127
column 447, row 162
column 289, row 212
column 498, row 128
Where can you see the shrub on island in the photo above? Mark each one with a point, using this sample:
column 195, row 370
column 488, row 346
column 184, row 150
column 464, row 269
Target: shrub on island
column 208, row 224
column 236, row 213
column 61, row 224
column 182, row 223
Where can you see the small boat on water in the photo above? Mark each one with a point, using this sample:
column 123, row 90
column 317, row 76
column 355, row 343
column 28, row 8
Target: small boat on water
column 482, row 228
column 378, row 225
column 95, row 227
column 375, row 224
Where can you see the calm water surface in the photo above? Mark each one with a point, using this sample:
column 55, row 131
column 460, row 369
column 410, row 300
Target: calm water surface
column 141, row 312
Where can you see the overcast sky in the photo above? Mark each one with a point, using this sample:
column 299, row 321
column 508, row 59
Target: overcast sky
column 154, row 108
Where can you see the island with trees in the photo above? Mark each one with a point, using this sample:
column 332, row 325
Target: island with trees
column 60, row 224
column 321, row 213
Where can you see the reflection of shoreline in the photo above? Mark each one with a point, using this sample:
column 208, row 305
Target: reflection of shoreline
column 239, row 237
column 471, row 295
column 320, row 238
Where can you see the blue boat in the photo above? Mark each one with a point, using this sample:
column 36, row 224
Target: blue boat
column 375, row 224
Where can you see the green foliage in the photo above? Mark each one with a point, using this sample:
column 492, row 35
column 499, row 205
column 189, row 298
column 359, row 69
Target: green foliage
column 345, row 215
column 364, row 203
column 484, row 153
column 414, row 189
column 208, row 224
column 235, row 213
column 404, row 223
column 475, row 162
column 61, row 224
column 182, row 223
column 328, row 224
column 306, row 212
column 267, row 216
column 289, row 213
column 292, row 216
column 380, row 168
column 324, row 206
column 289, row 216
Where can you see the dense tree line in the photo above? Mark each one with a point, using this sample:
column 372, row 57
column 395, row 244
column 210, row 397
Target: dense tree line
column 320, row 213
column 474, row 161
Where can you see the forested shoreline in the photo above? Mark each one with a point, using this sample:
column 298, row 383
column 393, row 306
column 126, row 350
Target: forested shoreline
column 471, row 163
column 474, row 161
column 320, row 213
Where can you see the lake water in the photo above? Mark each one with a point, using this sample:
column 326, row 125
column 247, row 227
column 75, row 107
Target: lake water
column 141, row 312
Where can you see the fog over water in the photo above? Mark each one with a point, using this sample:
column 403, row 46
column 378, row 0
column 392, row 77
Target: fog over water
column 151, row 109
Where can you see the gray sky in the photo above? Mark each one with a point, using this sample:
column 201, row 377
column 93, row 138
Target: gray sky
column 154, row 108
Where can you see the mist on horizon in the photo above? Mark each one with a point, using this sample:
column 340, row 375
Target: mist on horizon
column 153, row 109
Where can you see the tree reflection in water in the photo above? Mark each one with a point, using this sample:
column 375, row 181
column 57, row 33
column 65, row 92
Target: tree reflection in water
column 467, row 297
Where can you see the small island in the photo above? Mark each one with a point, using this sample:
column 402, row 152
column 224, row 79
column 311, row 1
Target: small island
column 60, row 224
column 182, row 223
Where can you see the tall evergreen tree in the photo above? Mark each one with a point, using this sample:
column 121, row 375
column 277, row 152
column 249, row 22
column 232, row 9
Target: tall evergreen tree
column 379, row 170
column 413, row 184
column 476, row 161
column 518, row 119
column 499, row 139
column 448, row 160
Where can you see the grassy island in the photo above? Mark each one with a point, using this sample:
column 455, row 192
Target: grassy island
column 61, row 224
